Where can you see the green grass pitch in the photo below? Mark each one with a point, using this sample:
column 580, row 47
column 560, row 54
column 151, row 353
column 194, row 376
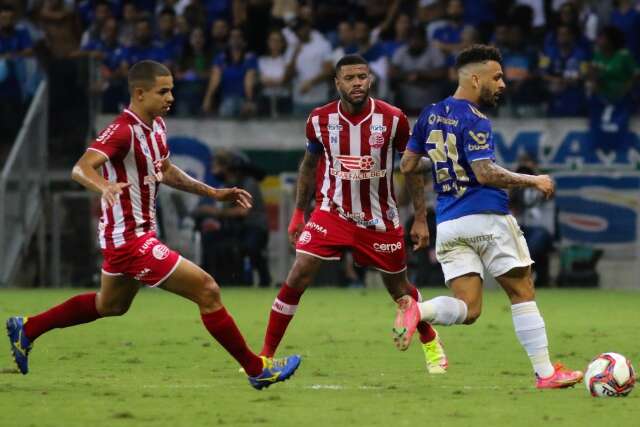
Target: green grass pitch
column 157, row 366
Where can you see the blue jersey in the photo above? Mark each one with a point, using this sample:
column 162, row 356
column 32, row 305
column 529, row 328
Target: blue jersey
column 453, row 133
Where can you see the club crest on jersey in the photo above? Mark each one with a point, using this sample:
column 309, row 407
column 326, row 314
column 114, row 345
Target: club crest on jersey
column 356, row 162
column 392, row 213
column 376, row 140
column 106, row 134
column 305, row 237
column 160, row 252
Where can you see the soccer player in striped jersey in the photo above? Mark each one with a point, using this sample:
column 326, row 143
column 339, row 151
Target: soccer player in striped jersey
column 126, row 164
column 475, row 230
column 351, row 143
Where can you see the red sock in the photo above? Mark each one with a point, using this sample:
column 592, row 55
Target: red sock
column 223, row 328
column 75, row 311
column 282, row 311
column 426, row 331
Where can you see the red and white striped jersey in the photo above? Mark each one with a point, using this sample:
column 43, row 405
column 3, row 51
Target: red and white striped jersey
column 134, row 152
column 355, row 173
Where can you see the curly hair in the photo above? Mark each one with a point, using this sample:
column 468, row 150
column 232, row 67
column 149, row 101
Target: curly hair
column 477, row 53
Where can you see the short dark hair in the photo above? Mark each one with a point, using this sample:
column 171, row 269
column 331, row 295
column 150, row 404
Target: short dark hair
column 477, row 53
column 143, row 74
column 614, row 35
column 351, row 59
column 167, row 11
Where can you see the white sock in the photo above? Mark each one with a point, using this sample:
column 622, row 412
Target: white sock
column 532, row 334
column 443, row 311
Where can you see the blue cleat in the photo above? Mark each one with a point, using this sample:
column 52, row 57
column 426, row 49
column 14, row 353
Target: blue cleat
column 20, row 344
column 275, row 371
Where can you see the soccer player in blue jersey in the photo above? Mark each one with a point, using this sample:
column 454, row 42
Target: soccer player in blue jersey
column 475, row 230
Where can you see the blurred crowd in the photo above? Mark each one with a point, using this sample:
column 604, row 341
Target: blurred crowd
column 242, row 58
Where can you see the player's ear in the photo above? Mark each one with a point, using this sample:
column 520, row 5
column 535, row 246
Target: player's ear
column 372, row 79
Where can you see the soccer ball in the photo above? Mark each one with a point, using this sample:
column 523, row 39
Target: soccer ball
column 610, row 375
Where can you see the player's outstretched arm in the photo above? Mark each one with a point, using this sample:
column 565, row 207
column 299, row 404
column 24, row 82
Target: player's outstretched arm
column 413, row 168
column 304, row 190
column 175, row 177
column 487, row 172
column 85, row 173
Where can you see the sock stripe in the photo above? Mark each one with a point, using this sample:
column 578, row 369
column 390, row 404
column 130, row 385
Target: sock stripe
column 284, row 308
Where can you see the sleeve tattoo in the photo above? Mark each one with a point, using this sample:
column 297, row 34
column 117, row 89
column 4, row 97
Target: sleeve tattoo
column 487, row 172
column 306, row 179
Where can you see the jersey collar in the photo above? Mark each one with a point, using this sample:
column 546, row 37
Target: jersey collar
column 371, row 108
column 138, row 119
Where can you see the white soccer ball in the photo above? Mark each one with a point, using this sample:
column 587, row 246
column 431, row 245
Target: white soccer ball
column 609, row 375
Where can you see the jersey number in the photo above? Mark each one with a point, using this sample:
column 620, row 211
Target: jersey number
column 444, row 151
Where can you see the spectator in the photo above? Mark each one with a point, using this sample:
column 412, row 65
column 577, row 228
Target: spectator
column 564, row 66
column 447, row 38
column 520, row 65
column 173, row 5
column 374, row 53
column 568, row 17
column 196, row 14
column 192, row 74
column 109, row 52
column 417, row 72
column 143, row 47
column 611, row 77
column 101, row 12
column 130, row 18
column 233, row 77
column 276, row 92
column 399, row 37
column 219, row 36
column 231, row 222
column 345, row 41
column 167, row 38
column 15, row 46
column 627, row 19
column 536, row 216
column 253, row 16
column 59, row 24
column 284, row 10
column 310, row 69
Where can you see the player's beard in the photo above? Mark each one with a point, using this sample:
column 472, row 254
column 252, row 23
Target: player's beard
column 488, row 98
column 357, row 104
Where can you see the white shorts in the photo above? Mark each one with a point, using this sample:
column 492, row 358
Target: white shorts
column 469, row 243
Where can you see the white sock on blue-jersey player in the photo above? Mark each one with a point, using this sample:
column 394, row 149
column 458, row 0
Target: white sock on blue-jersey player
column 532, row 334
column 443, row 311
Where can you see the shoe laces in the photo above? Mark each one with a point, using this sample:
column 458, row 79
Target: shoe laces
column 275, row 363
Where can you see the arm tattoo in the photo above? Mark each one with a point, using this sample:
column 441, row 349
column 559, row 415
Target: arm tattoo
column 415, row 187
column 490, row 173
column 178, row 179
column 306, row 179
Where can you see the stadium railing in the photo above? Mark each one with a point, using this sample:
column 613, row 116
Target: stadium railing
column 23, row 187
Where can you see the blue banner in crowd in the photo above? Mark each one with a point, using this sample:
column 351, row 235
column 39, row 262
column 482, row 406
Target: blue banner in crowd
column 600, row 210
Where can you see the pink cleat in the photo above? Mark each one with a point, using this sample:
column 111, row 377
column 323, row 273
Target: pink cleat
column 561, row 378
column 407, row 320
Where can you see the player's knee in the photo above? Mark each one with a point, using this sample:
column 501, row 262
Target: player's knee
column 210, row 292
column 300, row 277
column 473, row 313
column 112, row 309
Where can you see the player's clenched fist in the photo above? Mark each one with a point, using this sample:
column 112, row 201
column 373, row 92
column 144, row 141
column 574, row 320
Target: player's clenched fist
column 295, row 226
column 112, row 191
column 545, row 184
column 419, row 234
